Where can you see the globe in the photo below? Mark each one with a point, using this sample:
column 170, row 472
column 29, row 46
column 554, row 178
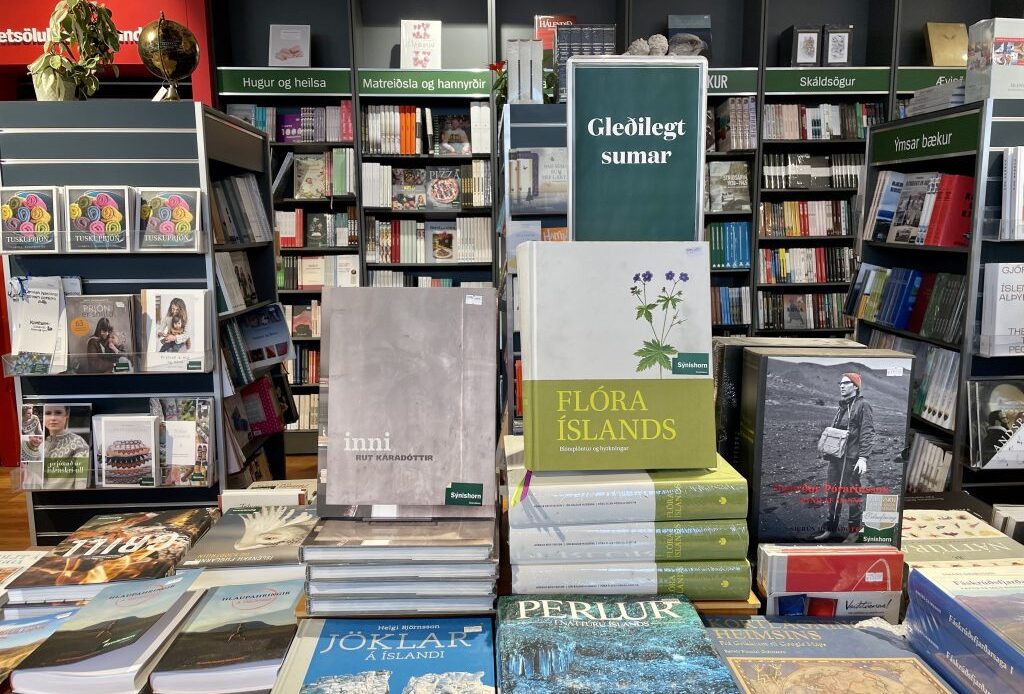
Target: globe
column 170, row 51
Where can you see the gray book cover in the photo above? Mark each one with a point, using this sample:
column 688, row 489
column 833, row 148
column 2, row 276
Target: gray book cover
column 355, row 533
column 253, row 536
column 410, row 395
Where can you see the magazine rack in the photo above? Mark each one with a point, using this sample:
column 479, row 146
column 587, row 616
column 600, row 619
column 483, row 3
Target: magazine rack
column 143, row 144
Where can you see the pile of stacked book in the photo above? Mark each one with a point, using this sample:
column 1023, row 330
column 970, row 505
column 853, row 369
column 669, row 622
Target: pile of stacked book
column 400, row 567
column 966, row 624
column 936, row 98
column 617, row 487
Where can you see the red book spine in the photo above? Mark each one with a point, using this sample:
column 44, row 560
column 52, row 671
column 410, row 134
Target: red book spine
column 956, row 222
column 300, row 228
column 805, row 222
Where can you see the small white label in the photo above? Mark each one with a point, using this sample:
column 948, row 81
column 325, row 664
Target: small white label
column 473, row 629
column 323, row 476
column 474, row 300
column 873, row 577
column 894, row 371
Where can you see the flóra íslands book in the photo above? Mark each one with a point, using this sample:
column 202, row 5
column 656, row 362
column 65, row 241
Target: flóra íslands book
column 616, row 372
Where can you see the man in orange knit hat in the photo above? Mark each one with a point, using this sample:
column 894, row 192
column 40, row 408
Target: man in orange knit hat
column 844, row 472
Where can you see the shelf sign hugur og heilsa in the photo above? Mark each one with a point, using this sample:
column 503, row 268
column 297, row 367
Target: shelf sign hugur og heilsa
column 458, row 83
column 268, row 81
column 864, row 80
column 939, row 137
column 636, row 148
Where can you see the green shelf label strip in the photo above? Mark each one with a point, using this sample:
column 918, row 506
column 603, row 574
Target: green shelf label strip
column 824, row 80
column 268, row 81
column 946, row 136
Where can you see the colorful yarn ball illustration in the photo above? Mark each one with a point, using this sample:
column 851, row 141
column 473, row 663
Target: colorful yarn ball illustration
column 167, row 213
column 28, row 213
column 98, row 212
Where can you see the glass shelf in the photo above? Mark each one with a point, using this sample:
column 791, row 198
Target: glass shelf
column 124, row 363
column 28, row 242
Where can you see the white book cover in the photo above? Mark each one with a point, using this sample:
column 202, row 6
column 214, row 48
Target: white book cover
column 35, row 308
column 128, row 449
column 289, row 45
column 1002, row 323
column 175, row 325
column 421, row 44
column 617, row 372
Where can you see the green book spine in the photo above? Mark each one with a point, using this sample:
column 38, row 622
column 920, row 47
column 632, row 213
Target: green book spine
column 697, row 580
column 667, row 541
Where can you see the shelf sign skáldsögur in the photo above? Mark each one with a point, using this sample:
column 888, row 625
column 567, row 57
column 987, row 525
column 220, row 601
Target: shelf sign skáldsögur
column 636, row 148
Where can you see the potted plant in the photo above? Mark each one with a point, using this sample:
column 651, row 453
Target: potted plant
column 82, row 38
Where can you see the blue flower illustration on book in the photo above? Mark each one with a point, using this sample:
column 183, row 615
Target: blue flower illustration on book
column 658, row 351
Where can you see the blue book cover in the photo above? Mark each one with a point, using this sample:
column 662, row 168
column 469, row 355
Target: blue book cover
column 393, row 656
column 780, row 655
column 625, row 644
column 19, row 637
column 887, row 205
column 970, row 623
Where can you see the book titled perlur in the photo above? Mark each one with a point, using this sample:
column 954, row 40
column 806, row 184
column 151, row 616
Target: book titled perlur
column 617, row 370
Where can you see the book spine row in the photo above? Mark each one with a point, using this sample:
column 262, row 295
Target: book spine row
column 730, row 244
column 959, row 645
column 304, row 319
column 630, row 542
column 800, row 171
column 936, row 397
column 467, row 240
column 802, row 311
column 299, row 124
column 304, row 368
column 698, row 580
column 290, row 227
column 928, row 466
column 802, row 265
column 237, row 212
column 805, row 218
column 314, row 272
column 395, row 278
column 736, row 124
column 821, row 122
column 308, row 407
column 931, row 304
column 580, row 39
column 730, row 305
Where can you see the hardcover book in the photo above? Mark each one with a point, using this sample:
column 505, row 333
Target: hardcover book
column 56, row 445
column 967, row 625
column 169, row 220
column 437, row 655
column 955, row 538
column 235, row 640
column 697, row 580
column 702, row 540
column 267, row 336
column 1002, row 316
column 946, row 43
column 544, row 29
column 317, row 229
column 174, row 323
column 98, row 219
column 127, row 449
column 728, row 186
column 421, row 44
column 19, row 637
column 110, row 644
column 101, row 333
column 408, row 189
column 411, row 402
column 289, row 45
column 443, row 188
column 252, row 537
column 112, row 547
column 12, row 563
column 538, row 180
column 440, row 238
column 776, row 655
column 309, row 177
column 842, row 413
column 563, row 643
column 30, row 219
column 632, row 390
column 335, row 541
column 995, row 410
column 185, row 446
column 556, row 499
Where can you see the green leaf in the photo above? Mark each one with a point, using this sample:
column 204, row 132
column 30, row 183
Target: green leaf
column 654, row 353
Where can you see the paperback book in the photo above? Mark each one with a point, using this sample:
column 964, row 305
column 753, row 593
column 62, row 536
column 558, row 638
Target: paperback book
column 101, row 334
column 309, row 177
column 13, row 563
column 19, row 637
column 728, row 186
column 842, row 413
column 416, row 395
column 266, row 336
column 185, row 443
column 634, row 389
column 359, row 655
column 98, row 219
column 169, row 220
column 452, row 132
column 538, row 180
column 108, row 548
column 776, row 655
column 252, row 538
column 444, row 186
column 127, row 450
column 421, row 44
column 30, row 219
column 56, row 445
column 174, row 323
column 235, row 640
column 111, row 644
column 580, row 642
